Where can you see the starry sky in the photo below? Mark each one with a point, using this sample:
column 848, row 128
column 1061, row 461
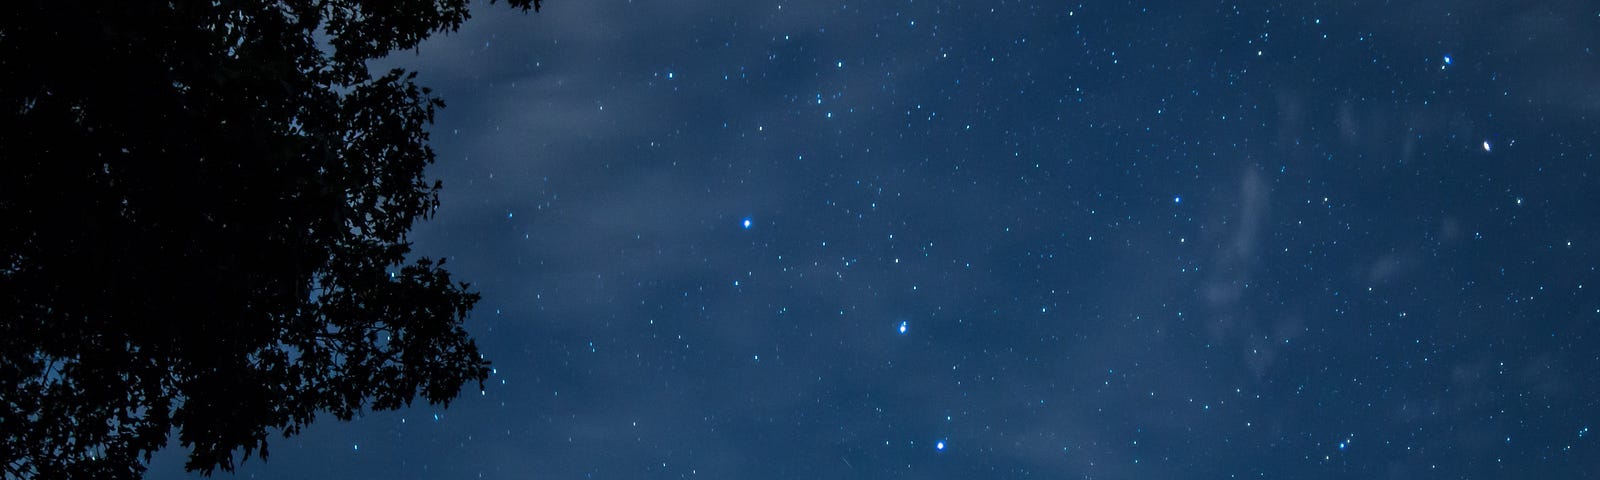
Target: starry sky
column 922, row 239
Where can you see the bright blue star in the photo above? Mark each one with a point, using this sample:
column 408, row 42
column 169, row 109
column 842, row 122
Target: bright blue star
column 1177, row 199
column 746, row 223
column 939, row 446
column 903, row 325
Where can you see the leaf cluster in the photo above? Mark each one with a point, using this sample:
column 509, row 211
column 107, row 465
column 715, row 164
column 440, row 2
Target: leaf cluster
column 203, row 218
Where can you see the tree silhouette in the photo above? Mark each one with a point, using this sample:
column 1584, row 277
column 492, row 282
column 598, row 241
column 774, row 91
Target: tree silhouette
column 203, row 217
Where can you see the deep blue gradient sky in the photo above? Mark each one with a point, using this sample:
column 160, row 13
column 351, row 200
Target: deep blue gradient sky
column 1139, row 239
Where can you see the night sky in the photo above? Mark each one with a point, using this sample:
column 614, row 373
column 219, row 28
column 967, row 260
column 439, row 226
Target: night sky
column 925, row 240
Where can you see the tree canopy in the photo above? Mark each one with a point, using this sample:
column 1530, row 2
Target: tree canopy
column 203, row 218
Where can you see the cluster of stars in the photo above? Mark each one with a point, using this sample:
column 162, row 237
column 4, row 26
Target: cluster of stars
column 919, row 147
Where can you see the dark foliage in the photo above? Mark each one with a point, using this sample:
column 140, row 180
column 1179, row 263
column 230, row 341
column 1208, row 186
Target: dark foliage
column 203, row 214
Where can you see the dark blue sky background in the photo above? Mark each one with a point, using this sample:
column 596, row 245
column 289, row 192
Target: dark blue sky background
column 1185, row 239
